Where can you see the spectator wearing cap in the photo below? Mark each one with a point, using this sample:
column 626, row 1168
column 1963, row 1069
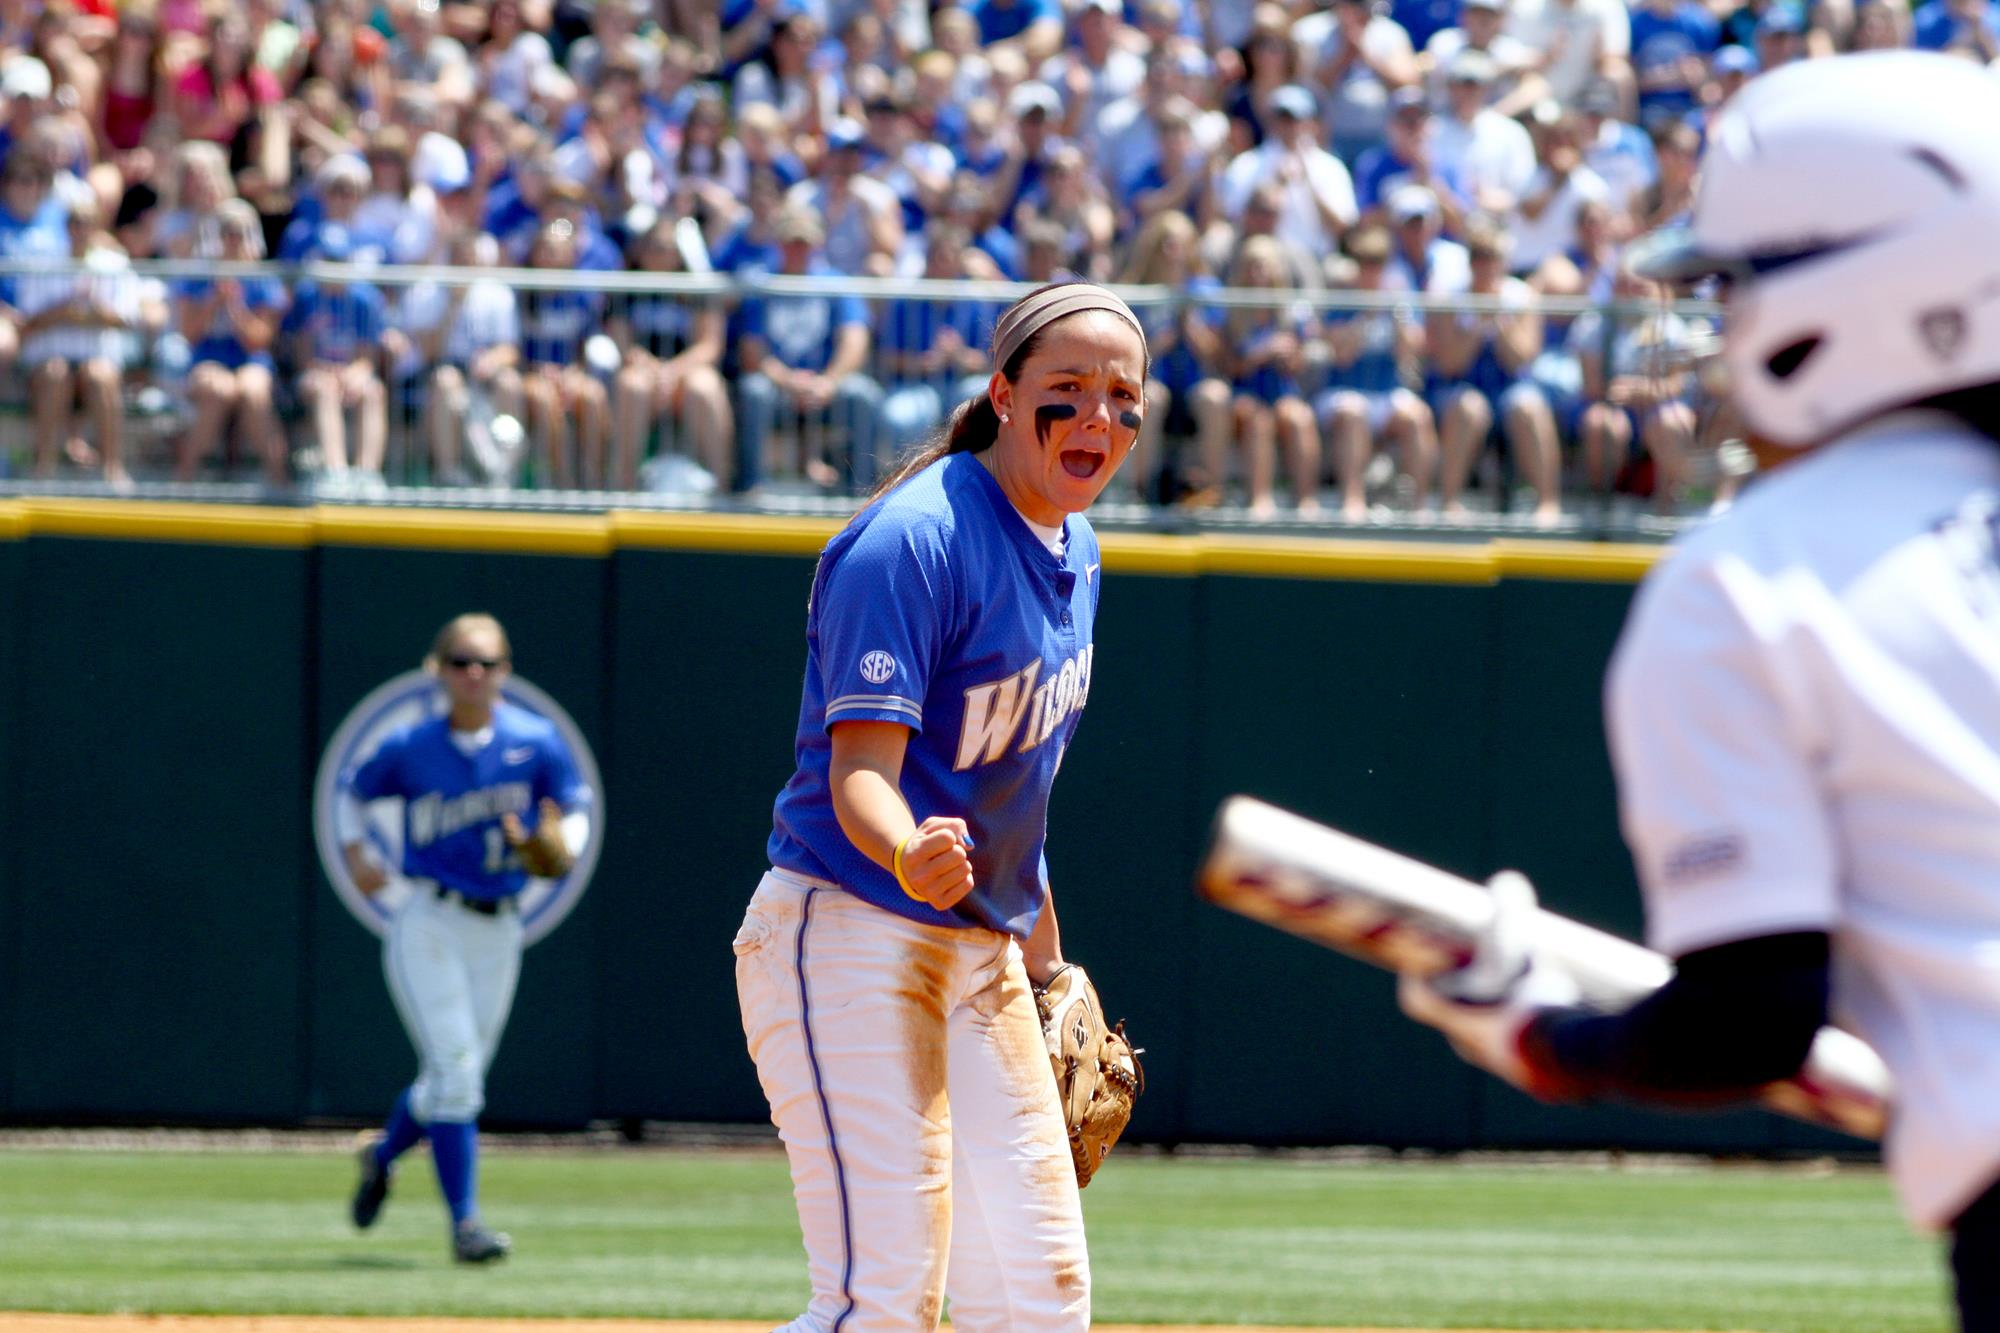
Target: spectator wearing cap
column 1728, row 70
column 30, row 92
column 1481, row 362
column 1361, row 57
column 1545, row 223
column 1618, row 151
column 669, row 377
column 1671, row 43
column 1036, row 110
column 388, row 218
column 78, row 333
column 1490, row 154
column 557, row 384
column 231, row 326
column 1317, row 193
column 1420, row 258
column 1371, row 355
column 1577, row 43
column 1265, row 352
column 931, row 354
column 1094, row 71
column 1781, row 37
column 1970, row 26
column 806, row 355
column 335, row 327
column 1184, row 337
column 1515, row 82
column 1408, row 156
column 917, row 171
column 464, row 340
column 862, row 216
column 339, row 186
column 785, row 75
column 1033, row 27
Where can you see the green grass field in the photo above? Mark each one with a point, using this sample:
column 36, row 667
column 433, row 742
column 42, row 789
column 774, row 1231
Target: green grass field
column 1197, row 1239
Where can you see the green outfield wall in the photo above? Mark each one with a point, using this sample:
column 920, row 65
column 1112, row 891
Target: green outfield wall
column 170, row 951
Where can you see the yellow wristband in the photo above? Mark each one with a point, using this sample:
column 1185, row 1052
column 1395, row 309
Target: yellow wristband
column 896, row 863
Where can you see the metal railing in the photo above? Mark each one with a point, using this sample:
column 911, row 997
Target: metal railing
column 539, row 388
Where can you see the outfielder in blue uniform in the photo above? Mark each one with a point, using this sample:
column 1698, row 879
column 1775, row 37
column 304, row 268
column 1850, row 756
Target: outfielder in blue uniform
column 467, row 779
column 884, row 966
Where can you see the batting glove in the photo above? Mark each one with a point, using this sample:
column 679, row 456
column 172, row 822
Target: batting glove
column 1484, row 1006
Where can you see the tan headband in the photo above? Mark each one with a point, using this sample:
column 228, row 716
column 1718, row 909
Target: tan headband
column 1038, row 310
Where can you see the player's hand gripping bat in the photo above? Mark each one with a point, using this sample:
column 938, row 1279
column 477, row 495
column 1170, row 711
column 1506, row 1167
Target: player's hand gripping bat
column 1383, row 908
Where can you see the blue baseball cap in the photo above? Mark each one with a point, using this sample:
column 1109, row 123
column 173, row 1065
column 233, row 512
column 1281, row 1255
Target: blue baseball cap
column 1780, row 19
column 1295, row 101
column 1734, row 60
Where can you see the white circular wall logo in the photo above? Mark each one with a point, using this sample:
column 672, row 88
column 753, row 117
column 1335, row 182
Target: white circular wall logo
column 877, row 667
column 408, row 699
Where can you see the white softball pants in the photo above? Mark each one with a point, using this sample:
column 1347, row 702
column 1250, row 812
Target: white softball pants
column 452, row 973
column 908, row 1078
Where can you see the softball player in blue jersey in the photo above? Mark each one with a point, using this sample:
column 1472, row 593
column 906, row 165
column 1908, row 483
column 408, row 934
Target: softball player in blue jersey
column 466, row 778
column 885, row 962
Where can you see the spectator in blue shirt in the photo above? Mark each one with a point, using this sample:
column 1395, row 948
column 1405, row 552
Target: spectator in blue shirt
column 669, row 376
column 1408, row 156
column 33, row 225
column 558, row 387
column 1184, row 394
column 1671, row 42
column 932, row 353
column 1972, row 26
column 1035, row 26
column 338, row 186
column 807, row 355
column 231, row 325
column 336, row 326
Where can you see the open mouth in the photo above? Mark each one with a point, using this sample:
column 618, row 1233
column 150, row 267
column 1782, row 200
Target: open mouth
column 1081, row 463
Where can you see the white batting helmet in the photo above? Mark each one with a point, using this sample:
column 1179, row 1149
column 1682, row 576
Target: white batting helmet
column 1854, row 205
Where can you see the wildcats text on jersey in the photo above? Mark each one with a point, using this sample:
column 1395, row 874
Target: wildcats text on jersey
column 433, row 816
column 994, row 712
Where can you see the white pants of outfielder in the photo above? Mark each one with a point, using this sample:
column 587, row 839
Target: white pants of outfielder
column 908, row 1078
column 451, row 972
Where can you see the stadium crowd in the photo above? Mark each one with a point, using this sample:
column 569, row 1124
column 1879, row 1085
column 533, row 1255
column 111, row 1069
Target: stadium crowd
column 1331, row 155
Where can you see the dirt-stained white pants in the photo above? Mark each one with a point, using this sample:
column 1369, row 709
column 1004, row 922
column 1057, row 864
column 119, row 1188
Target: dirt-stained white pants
column 909, row 1081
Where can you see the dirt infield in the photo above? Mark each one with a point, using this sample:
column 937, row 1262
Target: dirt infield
column 174, row 1323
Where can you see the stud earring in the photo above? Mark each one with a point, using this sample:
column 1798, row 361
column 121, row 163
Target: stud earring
column 1003, row 418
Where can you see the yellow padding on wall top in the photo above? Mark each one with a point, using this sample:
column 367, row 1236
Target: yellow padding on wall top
column 596, row 535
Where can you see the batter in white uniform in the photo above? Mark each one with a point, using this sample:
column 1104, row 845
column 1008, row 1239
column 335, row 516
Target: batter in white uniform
column 1805, row 707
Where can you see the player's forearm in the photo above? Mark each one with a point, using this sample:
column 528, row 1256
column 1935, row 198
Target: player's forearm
column 1041, row 952
column 871, row 811
column 1734, row 1018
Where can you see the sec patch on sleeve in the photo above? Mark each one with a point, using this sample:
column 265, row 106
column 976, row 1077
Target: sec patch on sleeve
column 877, row 668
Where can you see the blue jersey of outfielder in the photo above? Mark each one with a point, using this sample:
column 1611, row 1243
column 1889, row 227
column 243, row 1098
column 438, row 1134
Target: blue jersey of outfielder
column 452, row 801
column 940, row 609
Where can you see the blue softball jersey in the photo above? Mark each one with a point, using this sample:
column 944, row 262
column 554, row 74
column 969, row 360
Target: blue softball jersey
column 452, row 801
column 940, row 609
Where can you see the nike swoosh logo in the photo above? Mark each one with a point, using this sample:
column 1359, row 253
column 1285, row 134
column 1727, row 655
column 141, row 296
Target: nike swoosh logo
column 520, row 756
column 1089, row 572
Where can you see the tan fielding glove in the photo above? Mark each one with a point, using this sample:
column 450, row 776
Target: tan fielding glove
column 543, row 853
column 1097, row 1069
